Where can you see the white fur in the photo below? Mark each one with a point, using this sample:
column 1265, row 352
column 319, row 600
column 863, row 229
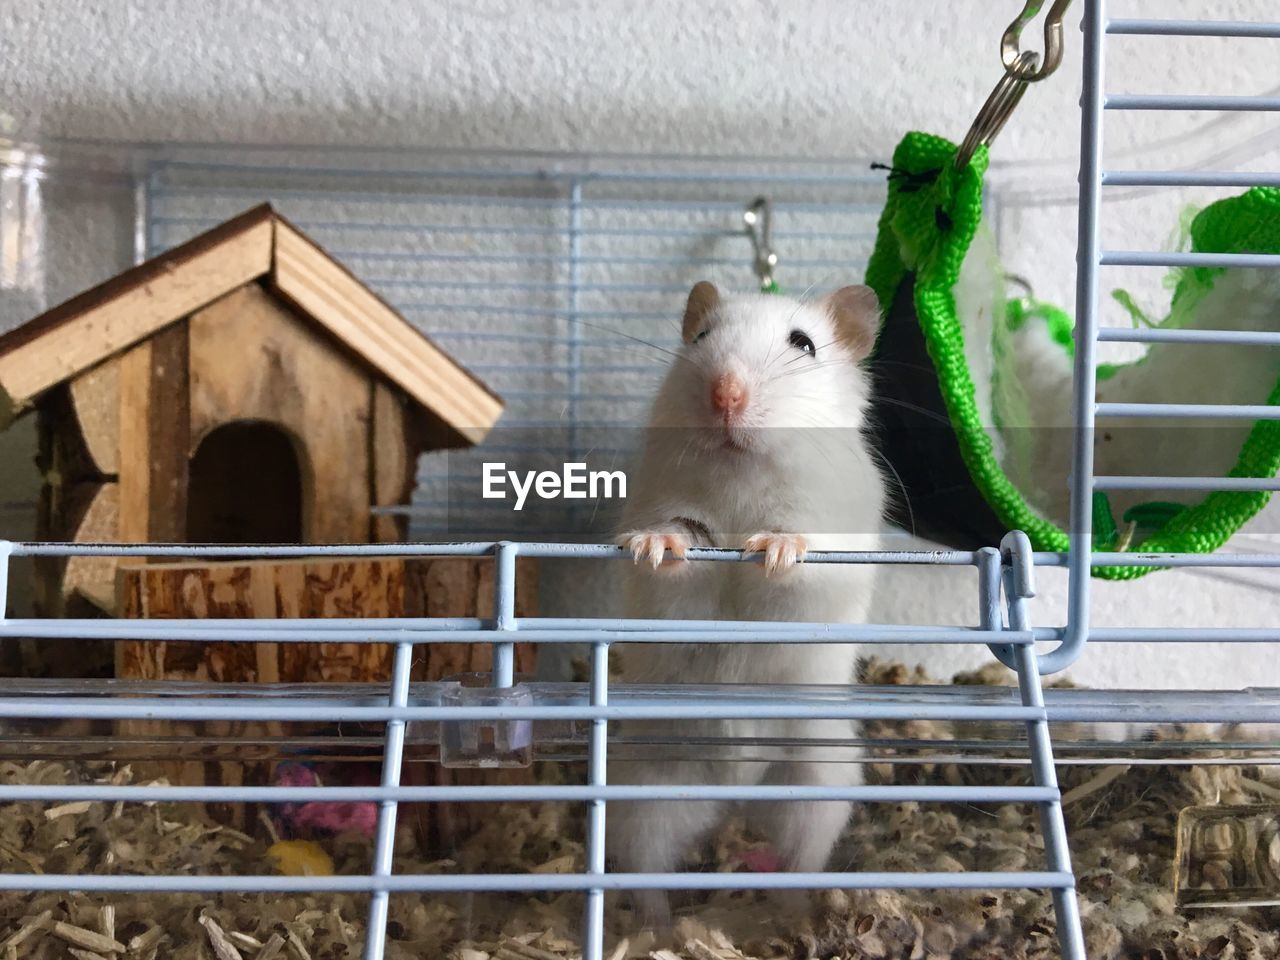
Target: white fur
column 805, row 470
column 1167, row 373
column 1239, row 300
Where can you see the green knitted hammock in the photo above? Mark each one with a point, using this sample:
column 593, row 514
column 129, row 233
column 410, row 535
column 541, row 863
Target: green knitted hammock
column 925, row 232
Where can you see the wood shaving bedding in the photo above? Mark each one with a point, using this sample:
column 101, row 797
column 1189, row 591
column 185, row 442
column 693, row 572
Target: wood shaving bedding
column 1120, row 827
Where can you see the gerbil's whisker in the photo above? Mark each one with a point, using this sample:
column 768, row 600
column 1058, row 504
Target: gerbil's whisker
column 828, row 344
column 799, row 304
column 635, row 339
column 906, row 500
column 595, row 507
column 927, row 414
column 688, row 442
column 872, row 365
column 821, row 448
column 812, row 368
column 769, row 358
column 804, row 297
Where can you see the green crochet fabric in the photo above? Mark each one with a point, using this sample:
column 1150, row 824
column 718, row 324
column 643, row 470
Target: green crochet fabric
column 1059, row 324
column 926, row 228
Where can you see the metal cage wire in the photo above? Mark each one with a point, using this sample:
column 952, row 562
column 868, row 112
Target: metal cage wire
column 550, row 281
column 1025, row 705
column 1005, row 583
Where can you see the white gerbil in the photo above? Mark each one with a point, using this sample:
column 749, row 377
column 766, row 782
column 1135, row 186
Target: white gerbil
column 755, row 442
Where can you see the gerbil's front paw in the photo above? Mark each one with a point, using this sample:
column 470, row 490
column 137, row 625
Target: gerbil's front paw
column 651, row 546
column 782, row 551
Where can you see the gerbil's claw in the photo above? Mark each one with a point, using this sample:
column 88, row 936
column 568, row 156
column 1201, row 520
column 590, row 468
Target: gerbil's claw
column 652, row 546
column 782, row 551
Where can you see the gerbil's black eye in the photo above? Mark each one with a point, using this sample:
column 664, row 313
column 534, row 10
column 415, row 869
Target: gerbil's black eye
column 802, row 343
column 701, row 336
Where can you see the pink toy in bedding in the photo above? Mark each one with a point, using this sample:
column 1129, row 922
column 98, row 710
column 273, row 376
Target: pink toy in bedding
column 309, row 819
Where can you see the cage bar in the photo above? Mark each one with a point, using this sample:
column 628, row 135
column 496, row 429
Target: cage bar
column 385, row 833
column 1218, row 411
column 1186, row 483
column 1171, row 101
column 1084, row 370
column 1192, row 28
column 1188, row 178
column 539, row 882
column 597, row 774
column 1140, row 258
column 1259, row 338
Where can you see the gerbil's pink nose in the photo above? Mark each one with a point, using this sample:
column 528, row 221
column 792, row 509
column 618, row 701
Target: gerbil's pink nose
column 728, row 395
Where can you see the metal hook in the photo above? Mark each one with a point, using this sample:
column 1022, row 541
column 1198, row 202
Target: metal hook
column 1021, row 67
column 1011, row 53
column 998, row 108
column 758, row 223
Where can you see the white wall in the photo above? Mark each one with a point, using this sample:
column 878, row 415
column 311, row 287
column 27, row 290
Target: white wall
column 812, row 77
column 815, row 78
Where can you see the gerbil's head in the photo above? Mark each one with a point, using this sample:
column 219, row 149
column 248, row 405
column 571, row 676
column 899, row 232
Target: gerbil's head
column 755, row 369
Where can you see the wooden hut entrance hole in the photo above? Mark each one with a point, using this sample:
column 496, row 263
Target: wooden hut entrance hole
column 245, row 486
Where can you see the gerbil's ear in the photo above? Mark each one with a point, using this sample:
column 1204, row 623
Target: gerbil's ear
column 856, row 314
column 703, row 298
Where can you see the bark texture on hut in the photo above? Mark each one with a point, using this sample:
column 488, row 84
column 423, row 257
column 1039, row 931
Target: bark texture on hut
column 1121, row 830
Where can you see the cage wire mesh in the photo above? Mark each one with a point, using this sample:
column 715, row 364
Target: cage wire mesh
column 558, row 287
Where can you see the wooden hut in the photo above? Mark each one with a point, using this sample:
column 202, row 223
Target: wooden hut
column 243, row 387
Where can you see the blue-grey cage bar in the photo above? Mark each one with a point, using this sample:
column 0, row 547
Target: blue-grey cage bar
column 1025, row 705
column 1005, row 580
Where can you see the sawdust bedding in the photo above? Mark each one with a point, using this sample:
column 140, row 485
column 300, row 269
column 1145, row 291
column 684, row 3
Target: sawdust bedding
column 1121, row 830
